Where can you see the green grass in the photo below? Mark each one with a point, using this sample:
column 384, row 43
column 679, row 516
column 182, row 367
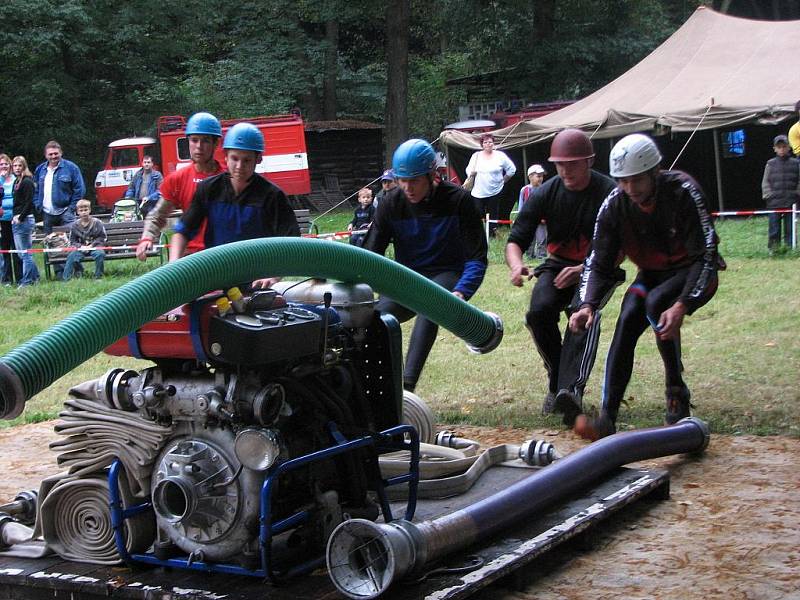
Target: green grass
column 741, row 351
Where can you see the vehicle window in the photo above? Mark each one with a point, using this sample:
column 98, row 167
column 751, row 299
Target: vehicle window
column 183, row 149
column 124, row 157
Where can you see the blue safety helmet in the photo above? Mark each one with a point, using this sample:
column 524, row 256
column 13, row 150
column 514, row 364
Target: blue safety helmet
column 413, row 158
column 203, row 123
column 244, row 136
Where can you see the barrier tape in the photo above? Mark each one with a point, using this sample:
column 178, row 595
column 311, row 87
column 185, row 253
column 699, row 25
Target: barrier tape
column 750, row 213
column 335, row 235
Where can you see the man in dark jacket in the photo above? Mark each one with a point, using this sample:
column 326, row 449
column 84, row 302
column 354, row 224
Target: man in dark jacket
column 436, row 231
column 568, row 203
column 659, row 220
column 780, row 188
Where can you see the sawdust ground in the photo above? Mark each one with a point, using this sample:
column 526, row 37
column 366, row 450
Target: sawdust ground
column 730, row 529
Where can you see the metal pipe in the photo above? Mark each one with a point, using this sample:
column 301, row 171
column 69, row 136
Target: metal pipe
column 364, row 558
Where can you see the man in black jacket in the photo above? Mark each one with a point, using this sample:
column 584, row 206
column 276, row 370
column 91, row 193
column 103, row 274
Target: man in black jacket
column 569, row 204
column 659, row 220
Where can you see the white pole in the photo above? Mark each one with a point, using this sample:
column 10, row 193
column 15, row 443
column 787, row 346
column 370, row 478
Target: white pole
column 794, row 226
column 487, row 229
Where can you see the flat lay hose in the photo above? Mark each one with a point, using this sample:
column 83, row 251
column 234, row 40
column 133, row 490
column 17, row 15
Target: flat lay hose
column 34, row 365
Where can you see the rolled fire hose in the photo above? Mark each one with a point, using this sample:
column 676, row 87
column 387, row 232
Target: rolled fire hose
column 95, row 435
column 34, row 365
column 76, row 523
column 364, row 558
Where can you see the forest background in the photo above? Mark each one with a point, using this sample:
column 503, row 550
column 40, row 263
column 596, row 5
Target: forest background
column 86, row 72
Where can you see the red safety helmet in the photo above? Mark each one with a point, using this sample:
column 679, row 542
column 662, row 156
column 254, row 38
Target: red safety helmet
column 571, row 144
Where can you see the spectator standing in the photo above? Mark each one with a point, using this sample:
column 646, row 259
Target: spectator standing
column 536, row 175
column 10, row 268
column 780, row 188
column 23, row 221
column 238, row 204
column 491, row 170
column 569, row 203
column 362, row 217
column 794, row 132
column 659, row 220
column 144, row 187
column 436, row 231
column 388, row 182
column 59, row 186
column 203, row 133
column 88, row 235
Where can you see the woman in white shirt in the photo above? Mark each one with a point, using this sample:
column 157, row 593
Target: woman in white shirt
column 492, row 168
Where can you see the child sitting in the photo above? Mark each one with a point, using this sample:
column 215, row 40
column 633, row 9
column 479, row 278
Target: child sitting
column 87, row 235
column 362, row 217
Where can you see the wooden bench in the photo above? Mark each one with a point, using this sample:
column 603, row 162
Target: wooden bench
column 303, row 216
column 125, row 235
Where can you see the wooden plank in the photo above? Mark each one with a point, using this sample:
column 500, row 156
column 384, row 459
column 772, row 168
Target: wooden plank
column 499, row 556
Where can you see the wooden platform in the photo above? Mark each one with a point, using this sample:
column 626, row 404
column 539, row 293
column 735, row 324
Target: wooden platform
column 53, row 578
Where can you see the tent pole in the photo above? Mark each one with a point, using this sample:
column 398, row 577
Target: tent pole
column 525, row 162
column 718, row 168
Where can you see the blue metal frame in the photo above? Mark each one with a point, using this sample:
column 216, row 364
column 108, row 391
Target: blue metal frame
column 385, row 441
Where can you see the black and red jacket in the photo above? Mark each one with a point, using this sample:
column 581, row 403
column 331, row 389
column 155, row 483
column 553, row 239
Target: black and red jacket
column 570, row 217
column 677, row 234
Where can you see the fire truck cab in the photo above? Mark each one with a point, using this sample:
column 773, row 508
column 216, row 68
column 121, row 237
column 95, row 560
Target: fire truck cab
column 284, row 162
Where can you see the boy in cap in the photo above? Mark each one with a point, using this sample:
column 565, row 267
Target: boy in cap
column 536, row 175
column 388, row 182
column 780, row 188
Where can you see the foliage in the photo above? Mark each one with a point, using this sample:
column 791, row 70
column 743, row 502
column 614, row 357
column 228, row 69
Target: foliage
column 88, row 72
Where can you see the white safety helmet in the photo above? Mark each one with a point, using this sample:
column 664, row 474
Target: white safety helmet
column 536, row 169
column 633, row 154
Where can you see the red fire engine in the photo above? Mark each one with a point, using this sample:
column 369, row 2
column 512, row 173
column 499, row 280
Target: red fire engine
column 284, row 163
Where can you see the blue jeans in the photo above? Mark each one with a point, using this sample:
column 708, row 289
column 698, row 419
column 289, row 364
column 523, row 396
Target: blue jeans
column 74, row 258
column 50, row 220
column 23, row 240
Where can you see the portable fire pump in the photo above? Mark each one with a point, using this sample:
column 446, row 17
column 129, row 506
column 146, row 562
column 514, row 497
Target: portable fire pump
column 255, row 433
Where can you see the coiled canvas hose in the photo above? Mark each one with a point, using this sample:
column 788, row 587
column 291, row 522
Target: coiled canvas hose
column 76, row 523
column 33, row 366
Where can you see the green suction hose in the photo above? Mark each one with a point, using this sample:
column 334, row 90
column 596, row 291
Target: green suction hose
column 34, row 365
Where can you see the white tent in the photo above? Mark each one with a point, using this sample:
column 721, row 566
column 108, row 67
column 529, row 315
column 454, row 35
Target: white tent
column 715, row 71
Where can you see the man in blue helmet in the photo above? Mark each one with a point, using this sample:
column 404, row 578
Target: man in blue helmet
column 238, row 204
column 436, row 231
column 203, row 132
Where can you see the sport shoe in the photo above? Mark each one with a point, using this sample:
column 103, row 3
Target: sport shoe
column 678, row 405
column 569, row 405
column 547, row 405
column 594, row 428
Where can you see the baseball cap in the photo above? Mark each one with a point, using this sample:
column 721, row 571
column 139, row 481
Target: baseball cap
column 780, row 139
column 388, row 175
column 536, row 169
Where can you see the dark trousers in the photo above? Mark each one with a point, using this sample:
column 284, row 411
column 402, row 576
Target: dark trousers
column 650, row 294
column 11, row 265
column 490, row 206
column 424, row 333
column 776, row 220
column 568, row 362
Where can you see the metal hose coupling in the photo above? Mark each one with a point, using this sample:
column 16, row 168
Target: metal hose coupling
column 365, row 558
column 494, row 340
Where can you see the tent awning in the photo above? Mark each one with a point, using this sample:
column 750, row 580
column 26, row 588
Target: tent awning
column 715, row 71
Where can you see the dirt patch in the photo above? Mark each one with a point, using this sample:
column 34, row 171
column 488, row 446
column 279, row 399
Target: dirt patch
column 731, row 528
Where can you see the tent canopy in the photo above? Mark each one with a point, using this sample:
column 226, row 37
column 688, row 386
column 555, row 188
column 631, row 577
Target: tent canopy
column 715, row 71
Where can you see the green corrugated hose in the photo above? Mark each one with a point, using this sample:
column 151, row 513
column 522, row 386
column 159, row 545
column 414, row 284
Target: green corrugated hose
column 33, row 366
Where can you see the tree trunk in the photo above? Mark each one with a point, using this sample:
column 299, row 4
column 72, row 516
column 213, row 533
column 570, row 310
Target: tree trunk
column 543, row 19
column 398, row 14
column 331, row 69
